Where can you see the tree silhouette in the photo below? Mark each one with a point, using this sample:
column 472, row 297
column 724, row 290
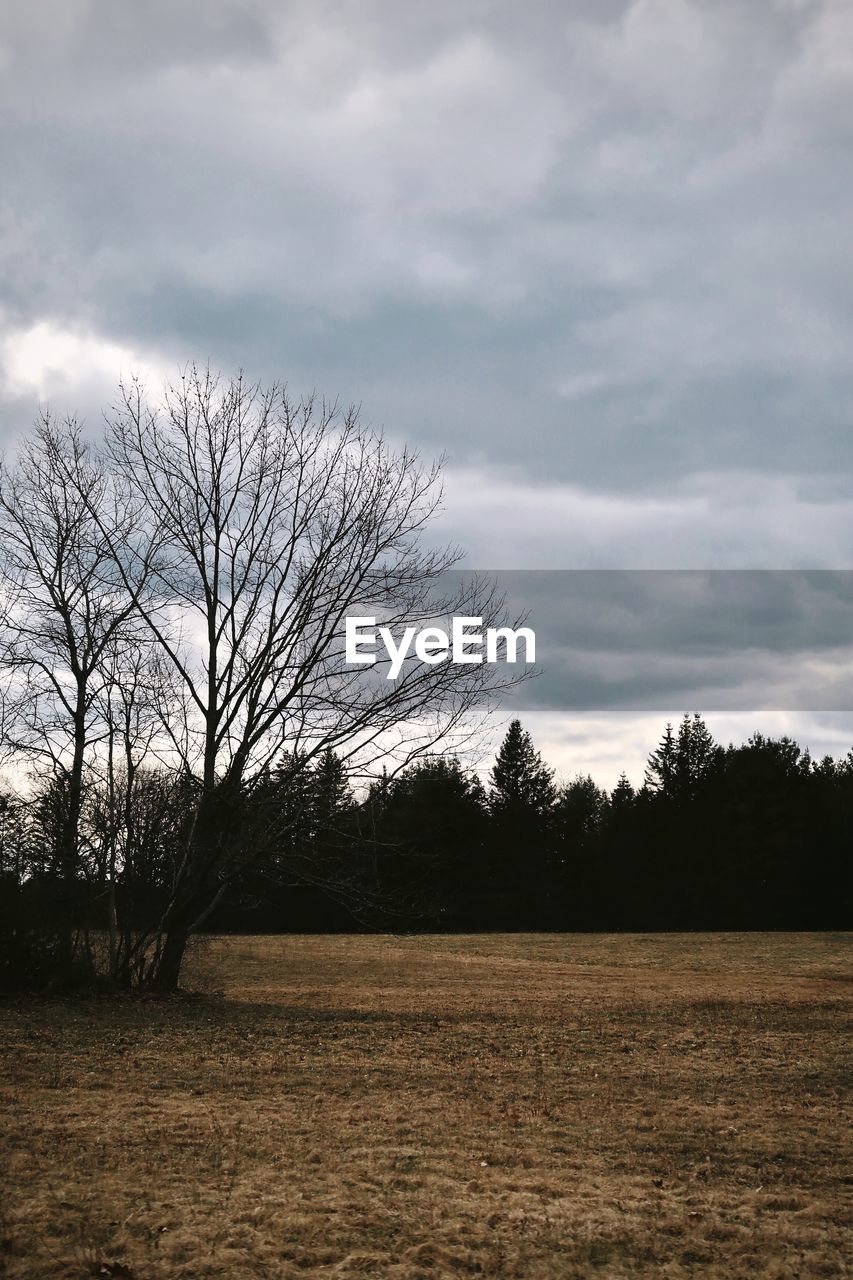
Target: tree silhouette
column 521, row 801
column 579, row 816
column 660, row 769
column 430, row 841
column 64, row 614
column 696, row 756
column 622, row 795
column 521, row 785
column 265, row 523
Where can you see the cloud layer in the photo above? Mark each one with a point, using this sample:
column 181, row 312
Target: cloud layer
column 603, row 241
column 596, row 252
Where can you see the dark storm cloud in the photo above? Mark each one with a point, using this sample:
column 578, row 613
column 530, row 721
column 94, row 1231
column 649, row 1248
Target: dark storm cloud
column 713, row 641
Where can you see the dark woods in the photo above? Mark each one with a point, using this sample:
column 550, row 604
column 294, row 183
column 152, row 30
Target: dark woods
column 743, row 837
column 756, row 836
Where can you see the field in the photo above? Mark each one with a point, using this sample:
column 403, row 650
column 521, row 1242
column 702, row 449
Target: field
column 503, row 1106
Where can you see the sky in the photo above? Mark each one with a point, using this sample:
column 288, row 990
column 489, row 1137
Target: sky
column 595, row 252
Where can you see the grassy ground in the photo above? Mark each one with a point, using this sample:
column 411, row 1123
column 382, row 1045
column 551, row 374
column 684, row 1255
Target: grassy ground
column 424, row 1107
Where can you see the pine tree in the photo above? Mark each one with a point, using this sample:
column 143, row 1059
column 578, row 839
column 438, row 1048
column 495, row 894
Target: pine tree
column 332, row 796
column 681, row 763
column 521, row 784
column 696, row 754
column 660, row 770
column 580, row 807
column 622, row 796
column 431, row 835
column 291, row 787
column 478, row 791
column 519, row 873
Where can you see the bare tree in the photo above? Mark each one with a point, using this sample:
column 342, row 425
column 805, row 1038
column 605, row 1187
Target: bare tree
column 260, row 524
column 64, row 606
column 130, row 818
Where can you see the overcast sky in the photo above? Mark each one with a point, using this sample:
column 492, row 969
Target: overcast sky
column 597, row 252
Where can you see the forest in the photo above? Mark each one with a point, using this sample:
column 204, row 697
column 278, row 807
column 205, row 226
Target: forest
column 755, row 836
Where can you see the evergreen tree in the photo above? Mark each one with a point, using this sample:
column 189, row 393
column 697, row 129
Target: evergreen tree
column 660, row 769
column 521, row 784
column 619, row 872
column 431, row 836
column 696, row 756
column 580, row 808
column 478, row 791
column 522, row 798
column 623, row 794
column 578, row 820
column 292, row 795
column 681, row 763
column 331, row 792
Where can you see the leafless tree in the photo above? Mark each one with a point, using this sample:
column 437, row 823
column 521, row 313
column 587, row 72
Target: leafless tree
column 132, row 802
column 64, row 606
column 260, row 524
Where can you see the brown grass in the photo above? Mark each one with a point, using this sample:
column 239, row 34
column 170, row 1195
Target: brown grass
column 517, row 1106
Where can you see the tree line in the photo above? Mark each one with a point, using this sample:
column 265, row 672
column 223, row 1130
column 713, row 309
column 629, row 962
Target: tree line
column 750, row 836
column 754, row 836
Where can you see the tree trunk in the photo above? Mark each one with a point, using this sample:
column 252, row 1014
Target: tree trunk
column 200, row 887
column 113, row 924
column 69, row 921
column 168, row 971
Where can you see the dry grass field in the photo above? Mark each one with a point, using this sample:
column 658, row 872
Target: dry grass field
column 516, row 1106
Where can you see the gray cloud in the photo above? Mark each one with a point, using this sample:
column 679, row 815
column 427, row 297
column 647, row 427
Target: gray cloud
column 604, row 242
column 597, row 252
column 716, row 641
